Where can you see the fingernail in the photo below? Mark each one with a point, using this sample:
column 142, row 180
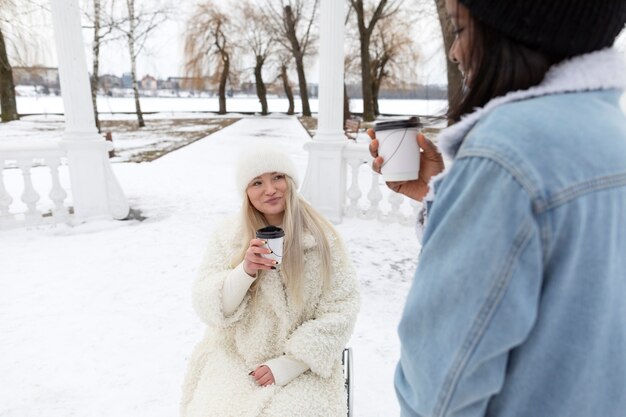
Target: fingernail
column 251, row 372
column 275, row 262
column 271, row 251
column 273, row 267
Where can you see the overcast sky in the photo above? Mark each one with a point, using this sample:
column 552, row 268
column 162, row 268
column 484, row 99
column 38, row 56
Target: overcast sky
column 162, row 56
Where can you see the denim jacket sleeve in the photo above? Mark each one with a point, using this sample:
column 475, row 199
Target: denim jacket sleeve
column 475, row 293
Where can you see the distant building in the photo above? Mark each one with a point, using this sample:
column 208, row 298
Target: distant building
column 271, row 88
column 186, row 83
column 36, row 75
column 127, row 80
column 172, row 83
column 248, row 87
column 109, row 81
column 409, row 91
column 275, row 88
column 148, row 82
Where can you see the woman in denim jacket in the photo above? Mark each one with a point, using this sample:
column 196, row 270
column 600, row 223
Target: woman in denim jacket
column 518, row 306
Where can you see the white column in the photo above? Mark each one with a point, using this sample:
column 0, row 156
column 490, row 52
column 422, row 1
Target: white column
column 324, row 184
column 95, row 190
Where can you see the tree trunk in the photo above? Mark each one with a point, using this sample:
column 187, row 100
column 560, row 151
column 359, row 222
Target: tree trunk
column 133, row 60
column 133, row 73
column 346, row 104
column 365, row 35
column 455, row 78
column 366, row 79
column 378, row 75
column 261, row 91
column 287, row 87
column 298, row 55
column 375, row 90
column 304, row 91
column 96, row 61
column 7, row 88
column 222, row 85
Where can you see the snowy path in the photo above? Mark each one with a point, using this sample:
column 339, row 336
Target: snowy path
column 96, row 320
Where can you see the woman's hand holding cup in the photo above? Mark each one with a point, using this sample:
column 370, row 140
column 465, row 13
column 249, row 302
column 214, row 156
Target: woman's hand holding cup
column 431, row 164
column 253, row 261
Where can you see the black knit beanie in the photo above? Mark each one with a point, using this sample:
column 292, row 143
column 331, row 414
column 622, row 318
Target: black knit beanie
column 559, row 27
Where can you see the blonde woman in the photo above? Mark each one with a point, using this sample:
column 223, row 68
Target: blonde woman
column 275, row 333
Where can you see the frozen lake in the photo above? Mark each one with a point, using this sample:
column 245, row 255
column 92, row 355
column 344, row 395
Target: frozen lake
column 54, row 104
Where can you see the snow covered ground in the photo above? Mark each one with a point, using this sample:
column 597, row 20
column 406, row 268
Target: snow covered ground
column 96, row 319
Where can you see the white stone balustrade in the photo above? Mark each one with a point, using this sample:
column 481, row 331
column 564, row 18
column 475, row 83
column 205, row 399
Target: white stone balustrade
column 32, row 207
column 366, row 190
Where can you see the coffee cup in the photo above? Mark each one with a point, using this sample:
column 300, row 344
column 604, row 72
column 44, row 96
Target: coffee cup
column 273, row 236
column 397, row 145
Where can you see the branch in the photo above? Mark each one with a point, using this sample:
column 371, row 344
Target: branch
column 305, row 41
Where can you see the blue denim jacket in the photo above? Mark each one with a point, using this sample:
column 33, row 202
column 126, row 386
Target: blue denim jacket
column 518, row 306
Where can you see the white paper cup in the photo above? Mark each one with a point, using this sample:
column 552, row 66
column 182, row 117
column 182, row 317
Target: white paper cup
column 397, row 145
column 274, row 236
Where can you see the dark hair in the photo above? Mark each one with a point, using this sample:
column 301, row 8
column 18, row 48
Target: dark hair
column 498, row 65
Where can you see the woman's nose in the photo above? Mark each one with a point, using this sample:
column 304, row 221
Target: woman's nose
column 451, row 54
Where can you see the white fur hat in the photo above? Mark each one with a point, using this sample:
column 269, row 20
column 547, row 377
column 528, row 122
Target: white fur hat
column 258, row 160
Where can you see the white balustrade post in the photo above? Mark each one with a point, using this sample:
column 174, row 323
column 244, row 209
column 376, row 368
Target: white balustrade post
column 395, row 215
column 57, row 193
column 375, row 196
column 5, row 200
column 354, row 192
column 30, row 197
column 95, row 191
column 325, row 180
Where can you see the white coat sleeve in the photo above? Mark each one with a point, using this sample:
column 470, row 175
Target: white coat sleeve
column 235, row 287
column 285, row 369
column 207, row 291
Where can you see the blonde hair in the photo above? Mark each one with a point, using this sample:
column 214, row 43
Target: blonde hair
column 299, row 216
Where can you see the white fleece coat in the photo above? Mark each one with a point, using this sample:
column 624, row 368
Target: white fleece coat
column 217, row 383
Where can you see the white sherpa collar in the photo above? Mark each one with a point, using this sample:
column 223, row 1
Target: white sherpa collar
column 599, row 70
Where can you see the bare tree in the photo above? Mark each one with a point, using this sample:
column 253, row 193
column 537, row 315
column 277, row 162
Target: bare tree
column 103, row 27
column 394, row 54
column 16, row 36
column 8, row 104
column 294, row 21
column 284, row 59
column 455, row 78
column 379, row 9
column 7, row 88
column 96, row 61
column 351, row 61
column 258, row 38
column 137, row 29
column 207, row 46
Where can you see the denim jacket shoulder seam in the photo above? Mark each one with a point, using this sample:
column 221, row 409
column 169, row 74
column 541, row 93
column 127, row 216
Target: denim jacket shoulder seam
column 482, row 320
column 586, row 187
column 536, row 198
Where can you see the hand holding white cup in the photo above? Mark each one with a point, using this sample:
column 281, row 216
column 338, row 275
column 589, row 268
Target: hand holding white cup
column 256, row 258
column 399, row 149
column 430, row 164
column 273, row 237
